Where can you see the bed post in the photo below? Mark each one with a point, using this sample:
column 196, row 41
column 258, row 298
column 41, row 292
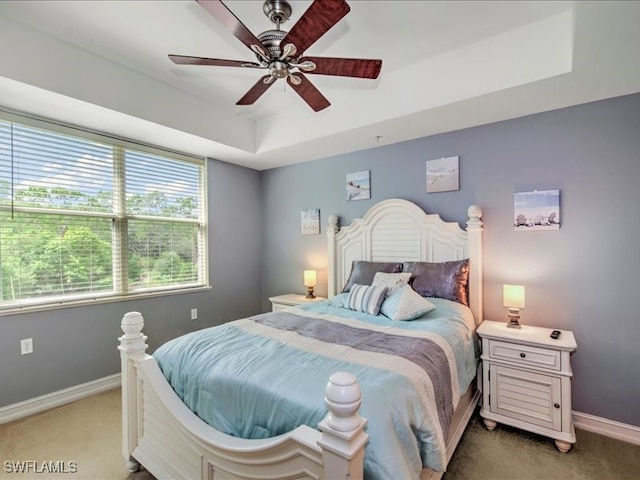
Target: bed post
column 343, row 438
column 132, row 347
column 332, row 230
column 474, row 231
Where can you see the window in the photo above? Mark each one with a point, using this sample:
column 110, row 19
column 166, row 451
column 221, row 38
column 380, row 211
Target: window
column 86, row 216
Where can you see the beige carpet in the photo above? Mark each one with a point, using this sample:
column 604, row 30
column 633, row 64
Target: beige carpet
column 509, row 453
column 88, row 433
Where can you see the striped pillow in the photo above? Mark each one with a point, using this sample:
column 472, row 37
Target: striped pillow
column 366, row 298
column 406, row 304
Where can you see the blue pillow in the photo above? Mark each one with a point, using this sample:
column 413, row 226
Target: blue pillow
column 366, row 298
column 405, row 304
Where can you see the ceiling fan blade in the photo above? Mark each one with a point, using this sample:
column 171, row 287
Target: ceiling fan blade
column 256, row 91
column 309, row 93
column 344, row 67
column 216, row 62
column 226, row 17
column 315, row 22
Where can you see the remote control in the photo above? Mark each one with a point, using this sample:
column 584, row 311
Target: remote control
column 555, row 334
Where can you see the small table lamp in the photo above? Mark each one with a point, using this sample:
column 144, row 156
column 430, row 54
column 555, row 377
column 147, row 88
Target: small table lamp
column 310, row 282
column 513, row 297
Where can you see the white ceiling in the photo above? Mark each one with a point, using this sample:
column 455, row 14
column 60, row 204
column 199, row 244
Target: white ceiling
column 446, row 66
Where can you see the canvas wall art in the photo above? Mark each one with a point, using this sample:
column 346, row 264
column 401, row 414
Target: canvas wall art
column 536, row 210
column 358, row 185
column 310, row 221
column 443, row 174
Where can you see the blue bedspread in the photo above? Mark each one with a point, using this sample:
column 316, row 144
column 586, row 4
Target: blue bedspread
column 265, row 375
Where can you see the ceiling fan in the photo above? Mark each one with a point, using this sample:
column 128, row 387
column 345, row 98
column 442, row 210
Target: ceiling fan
column 281, row 52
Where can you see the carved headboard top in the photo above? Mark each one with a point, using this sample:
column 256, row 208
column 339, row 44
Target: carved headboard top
column 399, row 230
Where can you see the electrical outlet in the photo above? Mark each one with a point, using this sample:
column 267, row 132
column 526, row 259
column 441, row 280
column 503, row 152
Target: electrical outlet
column 194, row 314
column 26, row 346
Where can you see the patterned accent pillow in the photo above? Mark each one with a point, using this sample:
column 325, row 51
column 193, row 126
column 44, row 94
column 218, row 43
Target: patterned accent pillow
column 447, row 280
column 405, row 304
column 366, row 298
column 392, row 281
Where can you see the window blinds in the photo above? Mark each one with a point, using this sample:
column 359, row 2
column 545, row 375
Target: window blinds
column 89, row 216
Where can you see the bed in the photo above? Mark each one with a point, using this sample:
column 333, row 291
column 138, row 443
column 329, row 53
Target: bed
column 320, row 413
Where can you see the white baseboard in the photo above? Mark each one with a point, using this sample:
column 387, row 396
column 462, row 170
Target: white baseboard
column 608, row 428
column 55, row 399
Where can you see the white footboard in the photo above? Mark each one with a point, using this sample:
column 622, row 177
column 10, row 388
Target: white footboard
column 163, row 435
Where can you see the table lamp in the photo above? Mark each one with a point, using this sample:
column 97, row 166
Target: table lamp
column 310, row 282
column 513, row 298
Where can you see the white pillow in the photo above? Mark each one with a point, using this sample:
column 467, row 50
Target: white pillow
column 405, row 304
column 392, row 281
column 366, row 298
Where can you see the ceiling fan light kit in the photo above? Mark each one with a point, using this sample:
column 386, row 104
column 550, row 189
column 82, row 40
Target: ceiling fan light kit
column 281, row 52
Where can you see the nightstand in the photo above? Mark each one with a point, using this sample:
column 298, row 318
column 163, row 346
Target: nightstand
column 282, row 302
column 527, row 380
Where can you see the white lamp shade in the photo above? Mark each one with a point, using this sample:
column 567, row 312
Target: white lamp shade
column 310, row 278
column 513, row 296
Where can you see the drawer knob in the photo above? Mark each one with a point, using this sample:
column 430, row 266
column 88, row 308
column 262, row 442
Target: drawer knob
column 522, row 354
column 557, row 405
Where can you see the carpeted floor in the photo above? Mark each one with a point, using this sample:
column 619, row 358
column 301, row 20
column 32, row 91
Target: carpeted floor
column 88, row 433
column 510, row 453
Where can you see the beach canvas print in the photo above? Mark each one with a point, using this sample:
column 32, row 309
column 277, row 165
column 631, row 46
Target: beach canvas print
column 358, row 185
column 443, row 175
column 310, row 221
column 537, row 210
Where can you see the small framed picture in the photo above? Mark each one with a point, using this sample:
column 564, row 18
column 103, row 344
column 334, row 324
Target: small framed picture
column 310, row 221
column 358, row 185
column 443, row 175
column 536, row 210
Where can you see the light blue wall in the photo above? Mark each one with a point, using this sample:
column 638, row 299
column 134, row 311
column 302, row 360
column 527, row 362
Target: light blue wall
column 581, row 277
column 77, row 345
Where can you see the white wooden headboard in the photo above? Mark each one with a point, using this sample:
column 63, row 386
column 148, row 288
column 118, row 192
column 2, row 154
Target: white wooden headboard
column 397, row 230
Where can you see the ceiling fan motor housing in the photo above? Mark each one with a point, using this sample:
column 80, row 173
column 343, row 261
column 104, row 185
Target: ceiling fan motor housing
column 271, row 40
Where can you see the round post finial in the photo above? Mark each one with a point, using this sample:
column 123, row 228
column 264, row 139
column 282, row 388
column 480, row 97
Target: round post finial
column 474, row 212
column 132, row 324
column 332, row 222
column 343, row 398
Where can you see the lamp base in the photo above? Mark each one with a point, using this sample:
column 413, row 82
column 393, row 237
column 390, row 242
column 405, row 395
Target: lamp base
column 310, row 293
column 514, row 316
column 513, row 324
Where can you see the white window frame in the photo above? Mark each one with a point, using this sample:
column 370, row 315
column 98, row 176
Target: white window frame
column 120, row 219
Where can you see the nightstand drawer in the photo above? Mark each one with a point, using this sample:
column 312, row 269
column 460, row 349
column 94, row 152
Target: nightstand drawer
column 525, row 355
column 283, row 302
column 276, row 307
